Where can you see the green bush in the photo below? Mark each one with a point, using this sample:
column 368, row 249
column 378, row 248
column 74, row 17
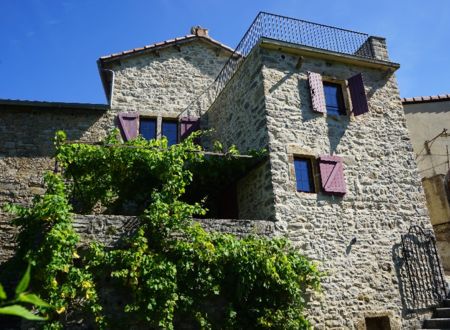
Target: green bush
column 172, row 270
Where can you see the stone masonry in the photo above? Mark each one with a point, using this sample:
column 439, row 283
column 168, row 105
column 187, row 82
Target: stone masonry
column 266, row 104
column 150, row 84
column 269, row 96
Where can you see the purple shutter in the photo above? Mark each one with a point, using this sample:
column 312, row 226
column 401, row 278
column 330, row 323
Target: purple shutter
column 317, row 94
column 188, row 125
column 358, row 95
column 332, row 174
column 128, row 122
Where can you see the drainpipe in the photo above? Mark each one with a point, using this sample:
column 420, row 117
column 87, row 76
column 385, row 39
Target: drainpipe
column 107, row 87
column 110, row 96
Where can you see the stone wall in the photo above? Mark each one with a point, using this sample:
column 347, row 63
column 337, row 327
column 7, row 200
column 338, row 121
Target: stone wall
column 153, row 85
column 7, row 237
column 27, row 149
column 238, row 117
column 384, row 196
column 166, row 81
column 109, row 229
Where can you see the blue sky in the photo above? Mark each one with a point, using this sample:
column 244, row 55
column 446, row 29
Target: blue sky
column 49, row 48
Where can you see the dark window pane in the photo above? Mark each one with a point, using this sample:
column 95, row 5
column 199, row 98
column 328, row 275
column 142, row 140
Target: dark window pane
column 170, row 131
column 333, row 99
column 303, row 174
column 147, row 128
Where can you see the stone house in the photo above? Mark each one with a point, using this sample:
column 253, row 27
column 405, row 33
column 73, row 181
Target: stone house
column 428, row 121
column 340, row 179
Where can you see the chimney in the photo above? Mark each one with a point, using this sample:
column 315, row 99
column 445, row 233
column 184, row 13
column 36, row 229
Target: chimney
column 199, row 31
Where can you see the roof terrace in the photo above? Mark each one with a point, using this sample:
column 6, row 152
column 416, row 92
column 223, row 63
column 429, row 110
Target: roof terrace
column 292, row 31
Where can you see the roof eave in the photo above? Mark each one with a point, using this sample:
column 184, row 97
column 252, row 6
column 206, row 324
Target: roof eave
column 307, row 51
column 161, row 45
column 55, row 105
column 426, row 99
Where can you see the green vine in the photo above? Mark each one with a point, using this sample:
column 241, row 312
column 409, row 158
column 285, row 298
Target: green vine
column 169, row 271
column 15, row 306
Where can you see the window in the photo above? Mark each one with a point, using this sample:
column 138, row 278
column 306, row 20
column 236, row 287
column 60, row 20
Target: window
column 147, row 128
column 170, row 131
column 132, row 124
column 304, row 175
column 334, row 100
column 316, row 173
column 328, row 96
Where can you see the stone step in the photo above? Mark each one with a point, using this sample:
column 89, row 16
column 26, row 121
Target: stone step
column 438, row 323
column 442, row 312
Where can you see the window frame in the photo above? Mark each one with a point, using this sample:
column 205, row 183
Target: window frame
column 345, row 95
column 148, row 118
column 177, row 130
column 310, row 173
column 340, row 110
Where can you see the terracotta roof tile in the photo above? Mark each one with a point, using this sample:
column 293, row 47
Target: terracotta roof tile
column 165, row 43
column 419, row 99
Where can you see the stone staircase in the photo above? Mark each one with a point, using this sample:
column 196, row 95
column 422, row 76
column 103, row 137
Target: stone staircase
column 440, row 318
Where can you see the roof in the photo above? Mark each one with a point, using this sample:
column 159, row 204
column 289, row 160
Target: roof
column 163, row 44
column 58, row 105
column 425, row 99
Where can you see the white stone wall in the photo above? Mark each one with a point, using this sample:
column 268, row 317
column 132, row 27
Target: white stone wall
column 238, row 117
column 384, row 195
column 166, row 81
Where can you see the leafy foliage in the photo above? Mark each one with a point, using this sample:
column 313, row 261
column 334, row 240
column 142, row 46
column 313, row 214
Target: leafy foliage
column 47, row 240
column 171, row 269
column 14, row 307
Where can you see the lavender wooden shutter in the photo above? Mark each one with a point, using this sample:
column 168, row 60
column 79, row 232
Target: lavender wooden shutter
column 188, row 125
column 317, row 94
column 358, row 95
column 332, row 174
column 128, row 122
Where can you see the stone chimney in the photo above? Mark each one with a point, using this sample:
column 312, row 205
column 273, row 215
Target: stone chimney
column 199, row 31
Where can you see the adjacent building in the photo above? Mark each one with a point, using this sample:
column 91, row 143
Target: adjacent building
column 428, row 120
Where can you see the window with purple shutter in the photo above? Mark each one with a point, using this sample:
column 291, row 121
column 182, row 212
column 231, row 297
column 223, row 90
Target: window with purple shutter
column 317, row 93
column 358, row 95
column 334, row 99
column 129, row 123
column 188, row 125
column 304, row 175
column 332, row 174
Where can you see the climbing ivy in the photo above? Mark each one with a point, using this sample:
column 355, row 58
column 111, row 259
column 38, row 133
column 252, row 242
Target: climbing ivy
column 48, row 241
column 169, row 271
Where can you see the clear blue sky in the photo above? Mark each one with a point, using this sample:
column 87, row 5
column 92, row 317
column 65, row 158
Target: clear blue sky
column 49, row 48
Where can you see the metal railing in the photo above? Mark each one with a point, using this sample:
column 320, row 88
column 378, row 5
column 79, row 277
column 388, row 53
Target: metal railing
column 426, row 285
column 284, row 29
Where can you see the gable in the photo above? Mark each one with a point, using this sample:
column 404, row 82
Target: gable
column 165, row 79
column 190, row 64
